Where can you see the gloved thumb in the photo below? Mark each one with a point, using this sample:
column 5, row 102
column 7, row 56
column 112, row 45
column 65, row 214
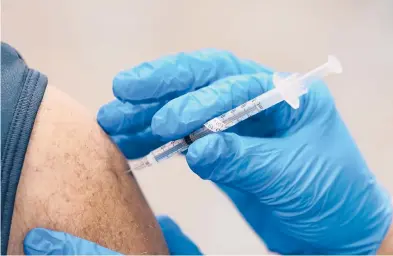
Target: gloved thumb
column 178, row 243
column 40, row 241
column 244, row 163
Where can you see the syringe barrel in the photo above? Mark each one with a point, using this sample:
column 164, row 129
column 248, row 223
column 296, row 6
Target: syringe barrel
column 201, row 132
column 288, row 88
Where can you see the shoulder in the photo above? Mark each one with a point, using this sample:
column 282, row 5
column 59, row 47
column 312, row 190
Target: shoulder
column 74, row 180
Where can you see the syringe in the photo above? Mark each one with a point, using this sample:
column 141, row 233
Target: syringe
column 287, row 89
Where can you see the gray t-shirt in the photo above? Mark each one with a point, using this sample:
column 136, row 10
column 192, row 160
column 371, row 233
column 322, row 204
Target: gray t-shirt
column 22, row 90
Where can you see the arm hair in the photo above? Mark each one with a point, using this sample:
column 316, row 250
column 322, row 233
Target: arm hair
column 74, row 180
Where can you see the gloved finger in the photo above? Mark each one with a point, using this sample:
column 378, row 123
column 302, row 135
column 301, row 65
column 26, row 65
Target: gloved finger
column 40, row 241
column 175, row 75
column 138, row 144
column 189, row 112
column 248, row 164
column 178, row 243
column 118, row 117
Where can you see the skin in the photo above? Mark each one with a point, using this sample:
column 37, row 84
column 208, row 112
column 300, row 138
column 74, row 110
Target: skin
column 387, row 244
column 74, row 180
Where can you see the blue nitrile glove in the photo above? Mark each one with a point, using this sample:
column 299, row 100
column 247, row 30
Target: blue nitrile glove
column 178, row 243
column 143, row 90
column 297, row 176
column 40, row 241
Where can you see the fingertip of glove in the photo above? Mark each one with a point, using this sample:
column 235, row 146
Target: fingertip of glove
column 166, row 223
column 31, row 239
column 166, row 125
column 124, row 89
column 178, row 242
column 108, row 119
column 158, row 124
column 40, row 241
column 204, row 153
column 136, row 84
column 121, row 85
column 101, row 115
column 37, row 233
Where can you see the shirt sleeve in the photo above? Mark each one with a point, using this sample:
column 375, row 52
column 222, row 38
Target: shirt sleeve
column 22, row 90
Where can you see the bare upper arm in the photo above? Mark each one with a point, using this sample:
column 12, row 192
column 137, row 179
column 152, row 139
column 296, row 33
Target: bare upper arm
column 74, row 180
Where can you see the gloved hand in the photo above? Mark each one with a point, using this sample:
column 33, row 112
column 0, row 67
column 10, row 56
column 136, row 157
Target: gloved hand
column 42, row 241
column 297, row 176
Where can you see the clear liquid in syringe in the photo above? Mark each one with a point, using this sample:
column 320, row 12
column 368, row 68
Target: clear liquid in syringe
column 288, row 88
